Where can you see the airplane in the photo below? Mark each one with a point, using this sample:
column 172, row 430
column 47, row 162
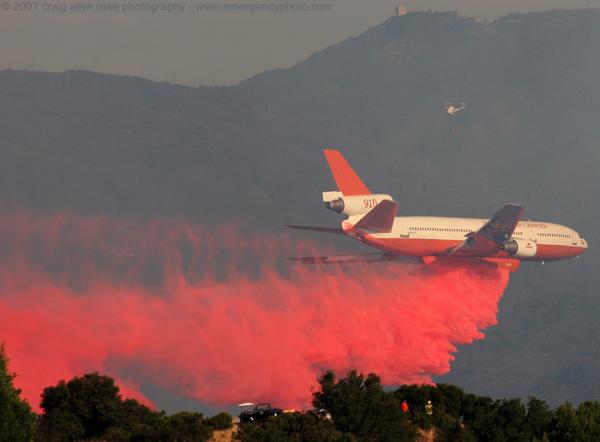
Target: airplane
column 504, row 239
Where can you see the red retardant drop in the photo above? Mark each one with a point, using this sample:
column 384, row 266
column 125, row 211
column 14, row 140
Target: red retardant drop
column 218, row 315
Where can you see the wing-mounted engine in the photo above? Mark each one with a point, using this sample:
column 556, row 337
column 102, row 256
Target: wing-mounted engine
column 495, row 235
column 520, row 248
column 354, row 204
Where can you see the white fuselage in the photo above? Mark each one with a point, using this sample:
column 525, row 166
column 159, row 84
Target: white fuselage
column 424, row 236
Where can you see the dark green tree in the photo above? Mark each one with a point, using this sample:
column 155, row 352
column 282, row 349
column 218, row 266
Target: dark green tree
column 509, row 422
column 187, row 427
column 360, row 406
column 85, row 407
column 479, row 414
column 90, row 407
column 588, row 417
column 565, row 425
column 447, row 398
column 17, row 421
column 538, row 419
column 136, row 422
column 221, row 421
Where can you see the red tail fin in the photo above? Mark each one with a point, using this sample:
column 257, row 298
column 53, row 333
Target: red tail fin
column 348, row 182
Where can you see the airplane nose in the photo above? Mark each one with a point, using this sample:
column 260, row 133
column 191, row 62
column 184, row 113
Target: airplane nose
column 584, row 243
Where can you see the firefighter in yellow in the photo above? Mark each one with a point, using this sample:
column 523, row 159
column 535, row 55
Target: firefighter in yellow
column 428, row 408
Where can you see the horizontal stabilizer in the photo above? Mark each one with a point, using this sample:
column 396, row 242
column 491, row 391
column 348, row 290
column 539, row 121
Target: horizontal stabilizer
column 345, row 259
column 337, row 230
column 346, row 179
column 380, row 219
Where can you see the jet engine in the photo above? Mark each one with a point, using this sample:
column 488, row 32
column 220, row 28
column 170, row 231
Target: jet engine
column 352, row 205
column 520, row 248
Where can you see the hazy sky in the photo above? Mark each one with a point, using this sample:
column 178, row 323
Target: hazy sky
column 190, row 46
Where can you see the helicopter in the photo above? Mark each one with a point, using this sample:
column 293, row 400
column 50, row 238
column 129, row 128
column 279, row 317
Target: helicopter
column 452, row 109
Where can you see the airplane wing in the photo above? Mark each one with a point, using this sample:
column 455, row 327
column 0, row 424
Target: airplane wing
column 345, row 259
column 487, row 240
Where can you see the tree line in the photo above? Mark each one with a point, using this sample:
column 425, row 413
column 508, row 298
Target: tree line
column 362, row 410
column 351, row 408
column 90, row 408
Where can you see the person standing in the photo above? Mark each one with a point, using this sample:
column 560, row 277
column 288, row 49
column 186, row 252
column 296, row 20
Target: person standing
column 428, row 408
column 404, row 406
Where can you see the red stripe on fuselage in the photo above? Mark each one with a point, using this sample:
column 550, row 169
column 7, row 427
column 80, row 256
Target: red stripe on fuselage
column 551, row 252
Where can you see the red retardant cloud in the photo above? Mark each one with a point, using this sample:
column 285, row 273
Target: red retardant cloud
column 217, row 315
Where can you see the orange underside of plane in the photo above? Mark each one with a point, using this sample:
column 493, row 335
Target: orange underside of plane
column 440, row 247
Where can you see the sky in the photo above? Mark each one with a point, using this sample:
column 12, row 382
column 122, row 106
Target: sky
column 190, row 42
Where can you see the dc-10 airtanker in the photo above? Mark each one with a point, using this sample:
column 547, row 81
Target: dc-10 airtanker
column 371, row 219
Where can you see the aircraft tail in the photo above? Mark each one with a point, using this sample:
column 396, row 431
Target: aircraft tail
column 380, row 219
column 348, row 182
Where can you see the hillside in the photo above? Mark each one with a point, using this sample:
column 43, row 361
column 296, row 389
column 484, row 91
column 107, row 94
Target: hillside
column 104, row 144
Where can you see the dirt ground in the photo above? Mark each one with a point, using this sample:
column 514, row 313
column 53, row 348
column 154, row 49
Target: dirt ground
column 426, row 435
column 224, row 435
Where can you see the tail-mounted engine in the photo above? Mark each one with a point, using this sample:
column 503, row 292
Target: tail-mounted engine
column 352, row 205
